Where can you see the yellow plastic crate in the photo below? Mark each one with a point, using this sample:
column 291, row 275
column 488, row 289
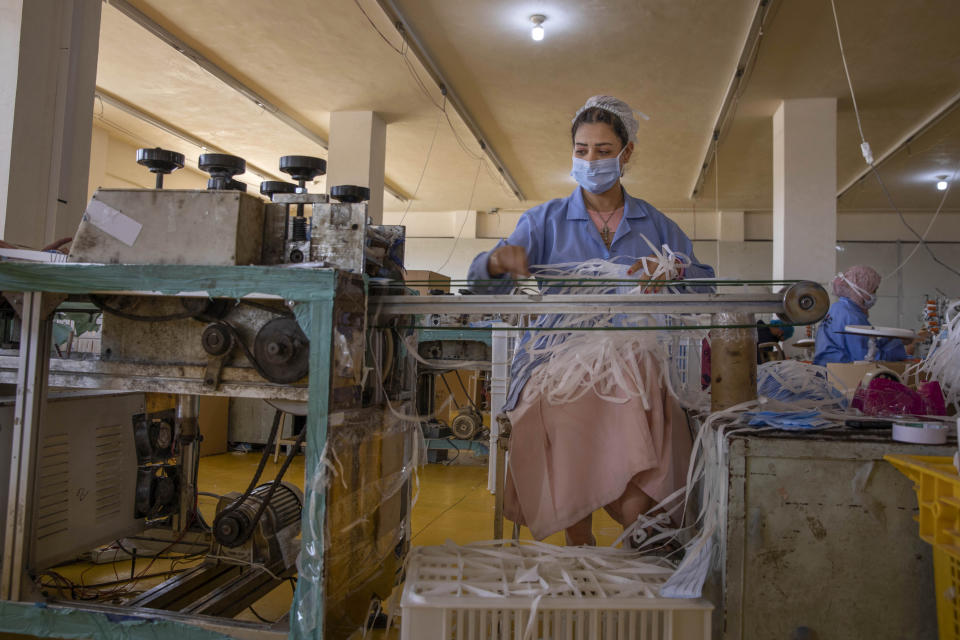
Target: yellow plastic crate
column 938, row 495
column 946, row 576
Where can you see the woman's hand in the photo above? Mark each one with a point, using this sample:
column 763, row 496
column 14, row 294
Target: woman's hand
column 509, row 259
column 641, row 265
column 59, row 245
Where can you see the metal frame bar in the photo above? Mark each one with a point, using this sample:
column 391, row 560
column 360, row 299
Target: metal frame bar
column 36, row 329
column 580, row 303
column 311, row 587
column 312, row 288
column 728, row 107
column 239, row 382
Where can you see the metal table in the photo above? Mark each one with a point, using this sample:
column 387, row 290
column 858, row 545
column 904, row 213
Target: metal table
column 312, row 293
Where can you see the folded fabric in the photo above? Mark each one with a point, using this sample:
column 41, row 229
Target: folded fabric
column 787, row 420
column 885, row 397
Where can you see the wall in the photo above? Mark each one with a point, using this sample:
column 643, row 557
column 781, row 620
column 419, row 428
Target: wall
column 865, row 238
column 113, row 165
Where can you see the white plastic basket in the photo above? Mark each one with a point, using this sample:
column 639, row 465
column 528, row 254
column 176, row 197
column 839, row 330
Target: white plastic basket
column 452, row 593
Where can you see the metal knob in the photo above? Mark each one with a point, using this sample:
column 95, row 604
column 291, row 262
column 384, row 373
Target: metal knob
column 160, row 162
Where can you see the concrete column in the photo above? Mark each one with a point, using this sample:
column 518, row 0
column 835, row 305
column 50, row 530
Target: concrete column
column 464, row 224
column 805, row 189
column 358, row 142
column 48, row 69
column 730, row 237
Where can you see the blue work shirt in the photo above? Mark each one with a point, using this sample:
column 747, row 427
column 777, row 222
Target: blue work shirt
column 561, row 231
column 833, row 346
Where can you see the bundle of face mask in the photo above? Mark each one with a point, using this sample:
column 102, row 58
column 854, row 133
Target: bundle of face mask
column 787, row 420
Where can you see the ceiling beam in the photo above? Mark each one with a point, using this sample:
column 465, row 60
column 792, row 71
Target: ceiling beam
column 142, row 19
column 127, row 9
column 748, row 55
column 415, row 45
column 922, row 127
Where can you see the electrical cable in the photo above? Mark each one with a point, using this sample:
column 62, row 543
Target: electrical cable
column 375, row 28
column 260, row 617
column 868, row 153
column 466, row 216
column 423, row 171
column 453, row 444
column 442, row 107
column 106, row 308
column 465, row 392
column 274, row 428
column 453, row 398
column 273, row 488
column 929, row 227
column 265, row 307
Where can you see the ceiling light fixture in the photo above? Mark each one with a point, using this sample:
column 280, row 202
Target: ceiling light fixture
column 942, row 184
column 537, row 32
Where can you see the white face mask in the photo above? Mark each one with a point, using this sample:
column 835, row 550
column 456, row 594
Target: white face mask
column 597, row 176
column 869, row 299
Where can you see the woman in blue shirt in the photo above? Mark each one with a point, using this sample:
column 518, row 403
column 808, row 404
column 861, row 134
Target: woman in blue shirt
column 568, row 460
column 856, row 291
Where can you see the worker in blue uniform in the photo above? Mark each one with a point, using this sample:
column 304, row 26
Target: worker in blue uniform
column 856, row 290
column 568, row 460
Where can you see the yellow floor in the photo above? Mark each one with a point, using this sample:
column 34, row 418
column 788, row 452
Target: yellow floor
column 453, row 504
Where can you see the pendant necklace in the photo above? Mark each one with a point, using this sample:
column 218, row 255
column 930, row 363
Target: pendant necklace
column 605, row 233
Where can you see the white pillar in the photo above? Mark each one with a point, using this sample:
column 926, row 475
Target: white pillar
column 48, row 69
column 463, row 224
column 358, row 141
column 805, row 189
column 730, row 237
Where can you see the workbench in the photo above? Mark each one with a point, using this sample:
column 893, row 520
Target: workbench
column 820, row 533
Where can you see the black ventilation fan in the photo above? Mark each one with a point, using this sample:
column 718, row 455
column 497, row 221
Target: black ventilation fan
column 157, row 491
column 153, row 434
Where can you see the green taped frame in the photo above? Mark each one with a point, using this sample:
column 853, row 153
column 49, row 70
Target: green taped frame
column 50, row 622
column 313, row 291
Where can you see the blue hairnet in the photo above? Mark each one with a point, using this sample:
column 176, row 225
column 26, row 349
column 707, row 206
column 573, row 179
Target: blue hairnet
column 786, row 328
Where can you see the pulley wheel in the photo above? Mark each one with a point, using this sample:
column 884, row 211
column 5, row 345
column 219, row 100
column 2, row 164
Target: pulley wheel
column 349, row 193
column 230, row 527
column 221, row 165
column 216, row 339
column 805, row 302
column 270, row 187
column 303, row 168
column 160, row 160
column 282, row 351
column 466, row 425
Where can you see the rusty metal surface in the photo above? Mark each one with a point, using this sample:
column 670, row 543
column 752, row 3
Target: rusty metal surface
column 179, row 227
column 821, row 533
column 734, row 356
column 96, row 374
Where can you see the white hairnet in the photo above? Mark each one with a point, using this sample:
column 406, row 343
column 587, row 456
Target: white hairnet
column 618, row 108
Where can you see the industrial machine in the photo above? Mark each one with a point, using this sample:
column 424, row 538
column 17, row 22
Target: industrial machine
column 216, row 292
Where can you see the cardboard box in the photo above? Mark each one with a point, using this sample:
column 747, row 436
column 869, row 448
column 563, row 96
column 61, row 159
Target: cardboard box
column 424, row 281
column 846, row 376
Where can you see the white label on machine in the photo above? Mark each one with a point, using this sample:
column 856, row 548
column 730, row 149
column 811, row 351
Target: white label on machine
column 113, row 222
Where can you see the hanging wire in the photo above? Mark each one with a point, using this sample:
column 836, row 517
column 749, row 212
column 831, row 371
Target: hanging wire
column 868, row 154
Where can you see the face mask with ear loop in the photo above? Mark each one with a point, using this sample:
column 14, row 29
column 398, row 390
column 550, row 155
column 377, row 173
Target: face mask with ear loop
column 869, row 299
column 597, row 176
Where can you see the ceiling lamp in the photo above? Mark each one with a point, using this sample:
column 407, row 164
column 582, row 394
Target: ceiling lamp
column 942, row 184
column 537, row 32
